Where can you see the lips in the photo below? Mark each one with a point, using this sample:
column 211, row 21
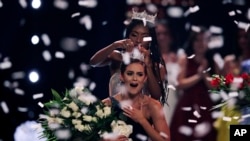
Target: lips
column 133, row 84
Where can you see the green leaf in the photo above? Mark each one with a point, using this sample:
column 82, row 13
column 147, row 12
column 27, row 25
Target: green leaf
column 56, row 95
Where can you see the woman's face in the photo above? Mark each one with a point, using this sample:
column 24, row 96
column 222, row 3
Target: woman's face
column 163, row 35
column 134, row 78
column 200, row 43
column 137, row 34
column 242, row 39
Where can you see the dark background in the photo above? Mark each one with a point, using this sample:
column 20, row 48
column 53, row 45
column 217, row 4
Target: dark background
column 17, row 25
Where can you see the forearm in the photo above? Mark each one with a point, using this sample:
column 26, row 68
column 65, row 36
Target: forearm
column 185, row 83
column 151, row 132
column 99, row 57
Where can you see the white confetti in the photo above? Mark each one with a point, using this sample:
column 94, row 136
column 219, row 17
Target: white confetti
column 5, row 65
column 164, row 135
column 19, row 91
column 226, row 118
column 175, row 12
column 172, row 87
column 71, row 74
column 185, row 130
column 191, row 56
column 38, row 95
column 81, row 43
column 88, row 3
column 248, row 14
column 243, row 25
column 202, row 129
column 84, row 68
column 218, row 60
column 192, row 121
column 23, row 3
column 46, row 40
column 203, row 108
column 215, row 29
column 75, row 14
column 186, row 108
column 216, row 42
column 46, row 55
column 196, row 114
column 41, row 104
column 147, row 39
column 141, row 137
column 61, row 4
column 18, row 75
column 22, row 109
column 59, row 55
column 86, row 20
column 231, row 13
column 4, row 107
column 134, row 2
column 92, row 86
column 217, row 114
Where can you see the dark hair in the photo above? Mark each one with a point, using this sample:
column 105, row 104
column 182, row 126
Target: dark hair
column 155, row 54
column 188, row 45
column 124, row 65
column 167, row 25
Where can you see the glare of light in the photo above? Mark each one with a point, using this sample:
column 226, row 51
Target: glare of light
column 34, row 39
column 33, row 76
column 1, row 4
column 36, row 4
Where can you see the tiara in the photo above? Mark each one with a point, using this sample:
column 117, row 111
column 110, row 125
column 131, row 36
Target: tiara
column 143, row 16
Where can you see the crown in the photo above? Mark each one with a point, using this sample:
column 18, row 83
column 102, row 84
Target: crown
column 143, row 16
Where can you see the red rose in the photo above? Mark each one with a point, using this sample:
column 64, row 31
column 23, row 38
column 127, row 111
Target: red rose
column 229, row 78
column 215, row 82
column 244, row 76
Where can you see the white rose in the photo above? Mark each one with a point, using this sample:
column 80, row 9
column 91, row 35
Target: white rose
column 76, row 121
column 59, row 120
column 100, row 113
column 76, row 114
column 87, row 118
column 107, row 111
column 65, row 113
column 73, row 106
column 79, row 90
column 79, row 127
column 121, row 128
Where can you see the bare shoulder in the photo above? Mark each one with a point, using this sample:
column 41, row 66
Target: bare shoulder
column 154, row 104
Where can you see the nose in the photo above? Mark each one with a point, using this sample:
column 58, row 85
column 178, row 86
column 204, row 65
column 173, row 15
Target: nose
column 134, row 77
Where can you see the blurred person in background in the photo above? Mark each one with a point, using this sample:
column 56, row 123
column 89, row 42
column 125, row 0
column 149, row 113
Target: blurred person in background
column 192, row 118
column 168, row 50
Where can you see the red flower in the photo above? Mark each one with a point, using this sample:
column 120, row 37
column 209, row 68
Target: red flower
column 229, row 78
column 215, row 82
column 245, row 76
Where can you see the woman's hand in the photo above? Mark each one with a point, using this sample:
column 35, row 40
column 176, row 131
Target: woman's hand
column 125, row 44
column 134, row 114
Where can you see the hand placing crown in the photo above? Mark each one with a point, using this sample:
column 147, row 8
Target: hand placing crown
column 144, row 16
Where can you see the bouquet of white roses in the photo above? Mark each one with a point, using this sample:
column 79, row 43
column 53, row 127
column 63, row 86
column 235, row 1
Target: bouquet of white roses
column 80, row 116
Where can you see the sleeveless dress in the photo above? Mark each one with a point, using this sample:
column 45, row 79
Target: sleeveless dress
column 186, row 125
column 138, row 131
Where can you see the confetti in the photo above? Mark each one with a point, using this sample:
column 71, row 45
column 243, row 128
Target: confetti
column 196, row 114
column 141, row 137
column 37, row 96
column 175, row 12
column 61, row 4
column 231, row 13
column 4, row 107
column 88, row 3
column 202, row 129
column 46, row 40
column 185, row 130
column 18, row 75
column 86, row 20
column 59, row 55
column 19, row 91
column 5, row 65
column 147, row 39
column 46, row 55
column 22, row 109
column 192, row 121
column 23, row 3
column 191, row 56
column 75, row 14
column 40, row 104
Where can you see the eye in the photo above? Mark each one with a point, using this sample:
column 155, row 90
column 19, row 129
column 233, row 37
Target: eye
column 140, row 74
column 129, row 73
